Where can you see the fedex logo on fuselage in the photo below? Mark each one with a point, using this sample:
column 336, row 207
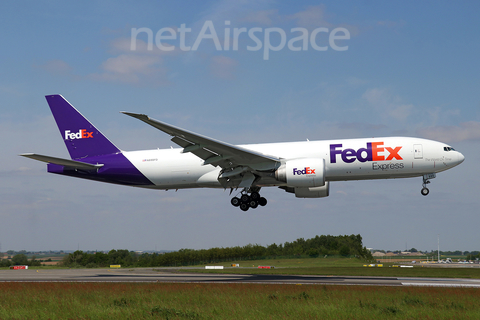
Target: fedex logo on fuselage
column 375, row 151
column 81, row 134
column 306, row 170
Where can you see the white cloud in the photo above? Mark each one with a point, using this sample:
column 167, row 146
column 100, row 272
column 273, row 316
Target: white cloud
column 139, row 47
column 263, row 17
column 133, row 69
column 131, row 64
column 140, row 66
column 129, row 68
column 388, row 104
column 401, row 112
column 465, row 131
column 312, row 17
column 57, row 67
column 235, row 9
column 376, row 96
column 317, row 16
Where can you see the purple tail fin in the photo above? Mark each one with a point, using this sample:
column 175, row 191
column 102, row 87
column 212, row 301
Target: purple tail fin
column 81, row 137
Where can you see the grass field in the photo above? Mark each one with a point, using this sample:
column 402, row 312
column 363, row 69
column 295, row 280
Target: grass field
column 50, row 300
column 232, row 301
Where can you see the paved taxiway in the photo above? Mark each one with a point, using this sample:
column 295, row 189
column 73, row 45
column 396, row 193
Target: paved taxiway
column 158, row 275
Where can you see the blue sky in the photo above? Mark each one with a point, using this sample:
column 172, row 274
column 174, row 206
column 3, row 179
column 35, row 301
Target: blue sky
column 410, row 69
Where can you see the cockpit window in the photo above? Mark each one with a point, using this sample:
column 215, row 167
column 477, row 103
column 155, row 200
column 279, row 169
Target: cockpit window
column 448, row 149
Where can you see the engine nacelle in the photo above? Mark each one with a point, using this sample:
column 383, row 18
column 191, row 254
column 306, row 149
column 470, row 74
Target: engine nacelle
column 305, row 172
column 314, row 192
column 309, row 192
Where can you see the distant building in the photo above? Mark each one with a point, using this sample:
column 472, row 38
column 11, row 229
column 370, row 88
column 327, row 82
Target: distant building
column 378, row 254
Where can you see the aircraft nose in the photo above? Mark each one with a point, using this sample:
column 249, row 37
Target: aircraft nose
column 460, row 157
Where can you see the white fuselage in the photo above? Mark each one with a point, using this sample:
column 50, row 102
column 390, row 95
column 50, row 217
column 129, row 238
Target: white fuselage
column 347, row 159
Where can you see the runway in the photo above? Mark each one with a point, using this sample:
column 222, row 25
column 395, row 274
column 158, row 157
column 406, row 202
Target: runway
column 162, row 275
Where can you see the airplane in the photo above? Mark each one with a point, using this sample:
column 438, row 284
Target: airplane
column 303, row 168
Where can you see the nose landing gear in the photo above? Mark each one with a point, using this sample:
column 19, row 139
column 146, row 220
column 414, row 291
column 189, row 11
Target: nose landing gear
column 426, row 178
column 248, row 199
column 425, row 190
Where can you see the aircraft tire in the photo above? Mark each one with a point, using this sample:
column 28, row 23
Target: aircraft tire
column 262, row 201
column 235, row 202
column 255, row 196
column 425, row 191
column 244, row 198
column 253, row 204
column 244, row 206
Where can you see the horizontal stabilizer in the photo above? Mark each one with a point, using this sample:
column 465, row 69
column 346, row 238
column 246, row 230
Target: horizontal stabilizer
column 63, row 162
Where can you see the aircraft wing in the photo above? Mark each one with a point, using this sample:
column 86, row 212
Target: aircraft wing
column 235, row 160
column 63, row 162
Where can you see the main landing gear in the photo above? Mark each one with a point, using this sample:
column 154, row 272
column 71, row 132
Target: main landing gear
column 426, row 180
column 248, row 200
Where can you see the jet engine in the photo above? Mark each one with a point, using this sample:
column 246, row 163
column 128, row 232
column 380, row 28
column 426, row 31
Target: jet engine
column 304, row 173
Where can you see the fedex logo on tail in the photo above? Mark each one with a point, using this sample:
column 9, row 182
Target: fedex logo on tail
column 306, row 170
column 375, row 151
column 81, row 134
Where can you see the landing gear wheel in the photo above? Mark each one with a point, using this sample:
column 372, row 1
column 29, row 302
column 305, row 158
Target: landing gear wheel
column 425, row 191
column 262, row 201
column 255, row 195
column 235, row 202
column 248, row 198
column 253, row 204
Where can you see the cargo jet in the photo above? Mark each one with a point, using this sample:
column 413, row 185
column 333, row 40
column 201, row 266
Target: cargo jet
column 303, row 168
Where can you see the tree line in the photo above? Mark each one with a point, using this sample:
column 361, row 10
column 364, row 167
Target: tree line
column 314, row 247
column 20, row 260
column 473, row 256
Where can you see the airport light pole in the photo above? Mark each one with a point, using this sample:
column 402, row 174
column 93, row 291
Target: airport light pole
column 438, row 249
